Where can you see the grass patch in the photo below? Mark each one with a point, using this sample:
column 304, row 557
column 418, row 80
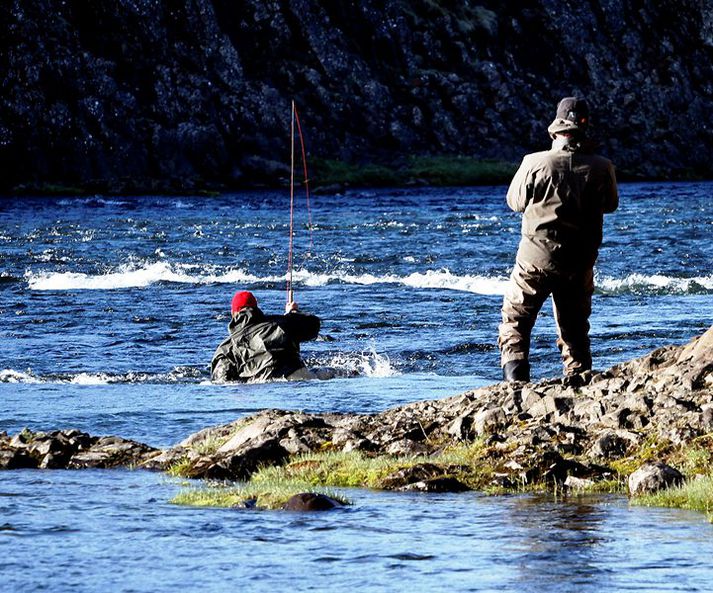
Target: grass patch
column 271, row 487
column 337, row 469
column 330, row 172
column 268, row 495
column 437, row 170
column 460, row 170
column 651, row 449
column 180, row 469
column 468, row 463
column 694, row 495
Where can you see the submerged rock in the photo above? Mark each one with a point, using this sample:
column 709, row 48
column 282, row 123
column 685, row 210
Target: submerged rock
column 311, row 501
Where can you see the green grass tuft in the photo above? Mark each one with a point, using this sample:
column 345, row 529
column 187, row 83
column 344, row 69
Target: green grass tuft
column 694, row 495
column 268, row 495
column 180, row 469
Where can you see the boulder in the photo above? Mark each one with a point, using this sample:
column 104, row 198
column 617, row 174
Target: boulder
column 311, row 501
column 652, row 477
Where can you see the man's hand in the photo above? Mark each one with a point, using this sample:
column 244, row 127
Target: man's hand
column 290, row 307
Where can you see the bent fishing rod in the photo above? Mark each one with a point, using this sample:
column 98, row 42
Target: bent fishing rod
column 295, row 119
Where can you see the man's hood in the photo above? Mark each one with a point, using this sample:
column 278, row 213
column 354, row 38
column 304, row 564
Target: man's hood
column 244, row 318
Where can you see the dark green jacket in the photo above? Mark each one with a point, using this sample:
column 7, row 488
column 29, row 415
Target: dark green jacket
column 563, row 194
column 262, row 347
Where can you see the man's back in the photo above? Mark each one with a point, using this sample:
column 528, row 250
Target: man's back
column 262, row 347
column 563, row 194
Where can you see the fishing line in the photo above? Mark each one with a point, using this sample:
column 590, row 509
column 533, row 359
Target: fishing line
column 295, row 119
column 306, row 176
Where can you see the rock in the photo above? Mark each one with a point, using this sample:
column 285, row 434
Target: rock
column 406, row 448
column 310, row 501
column 652, row 477
column 16, row 459
column 611, row 444
column 196, row 112
column 489, row 421
column 445, row 484
column 241, row 465
column 252, row 432
column 462, row 427
column 422, row 473
column 108, row 452
column 578, row 483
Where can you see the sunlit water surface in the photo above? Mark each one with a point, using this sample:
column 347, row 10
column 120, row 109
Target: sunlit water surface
column 110, row 309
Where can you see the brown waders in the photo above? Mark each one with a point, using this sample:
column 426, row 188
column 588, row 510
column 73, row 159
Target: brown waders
column 527, row 291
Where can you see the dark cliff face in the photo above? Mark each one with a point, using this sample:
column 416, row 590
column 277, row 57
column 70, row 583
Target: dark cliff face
column 136, row 94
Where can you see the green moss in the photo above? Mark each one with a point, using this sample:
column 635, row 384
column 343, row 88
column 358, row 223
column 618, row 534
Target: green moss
column 694, row 495
column 653, row 448
column 330, row 172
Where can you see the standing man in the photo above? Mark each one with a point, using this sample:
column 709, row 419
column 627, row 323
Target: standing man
column 263, row 347
column 563, row 194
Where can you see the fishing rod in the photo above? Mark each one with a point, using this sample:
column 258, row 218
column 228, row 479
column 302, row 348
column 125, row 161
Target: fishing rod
column 290, row 293
column 295, row 119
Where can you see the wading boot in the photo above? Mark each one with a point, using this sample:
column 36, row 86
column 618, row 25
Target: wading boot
column 517, row 370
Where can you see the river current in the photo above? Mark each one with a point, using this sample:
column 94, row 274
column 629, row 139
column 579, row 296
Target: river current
column 110, row 309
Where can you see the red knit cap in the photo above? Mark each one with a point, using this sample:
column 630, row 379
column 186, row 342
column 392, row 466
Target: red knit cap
column 242, row 299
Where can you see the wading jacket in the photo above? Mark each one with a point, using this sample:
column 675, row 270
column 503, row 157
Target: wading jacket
column 563, row 194
column 262, row 347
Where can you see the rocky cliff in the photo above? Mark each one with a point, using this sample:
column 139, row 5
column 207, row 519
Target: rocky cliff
column 143, row 94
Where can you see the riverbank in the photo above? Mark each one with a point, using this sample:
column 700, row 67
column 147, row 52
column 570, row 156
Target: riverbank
column 587, row 432
column 326, row 176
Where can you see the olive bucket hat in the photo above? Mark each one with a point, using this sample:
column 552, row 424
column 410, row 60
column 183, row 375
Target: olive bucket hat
column 572, row 117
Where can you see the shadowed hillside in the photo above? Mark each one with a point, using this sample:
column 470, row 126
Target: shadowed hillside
column 140, row 95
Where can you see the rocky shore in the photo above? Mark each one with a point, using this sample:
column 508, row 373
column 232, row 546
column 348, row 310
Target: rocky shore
column 575, row 432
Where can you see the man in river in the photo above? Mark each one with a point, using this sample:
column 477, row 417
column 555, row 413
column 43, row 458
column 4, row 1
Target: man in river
column 563, row 194
column 263, row 347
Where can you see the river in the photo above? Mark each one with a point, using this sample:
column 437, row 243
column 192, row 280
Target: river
column 111, row 308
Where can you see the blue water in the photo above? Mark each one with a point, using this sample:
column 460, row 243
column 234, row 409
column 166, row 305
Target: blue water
column 110, row 309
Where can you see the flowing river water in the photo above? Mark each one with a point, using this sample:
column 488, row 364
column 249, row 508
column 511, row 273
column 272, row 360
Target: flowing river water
column 110, row 309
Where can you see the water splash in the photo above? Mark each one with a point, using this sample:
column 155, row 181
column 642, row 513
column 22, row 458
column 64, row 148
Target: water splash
column 368, row 363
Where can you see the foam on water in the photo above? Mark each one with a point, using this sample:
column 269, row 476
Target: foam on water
column 656, row 283
column 13, row 376
column 183, row 374
column 131, row 276
column 369, row 364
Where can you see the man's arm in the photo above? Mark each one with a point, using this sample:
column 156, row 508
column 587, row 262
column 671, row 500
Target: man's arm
column 611, row 192
column 520, row 190
column 301, row 326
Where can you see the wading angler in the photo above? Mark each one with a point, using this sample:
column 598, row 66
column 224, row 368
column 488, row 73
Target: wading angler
column 563, row 194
